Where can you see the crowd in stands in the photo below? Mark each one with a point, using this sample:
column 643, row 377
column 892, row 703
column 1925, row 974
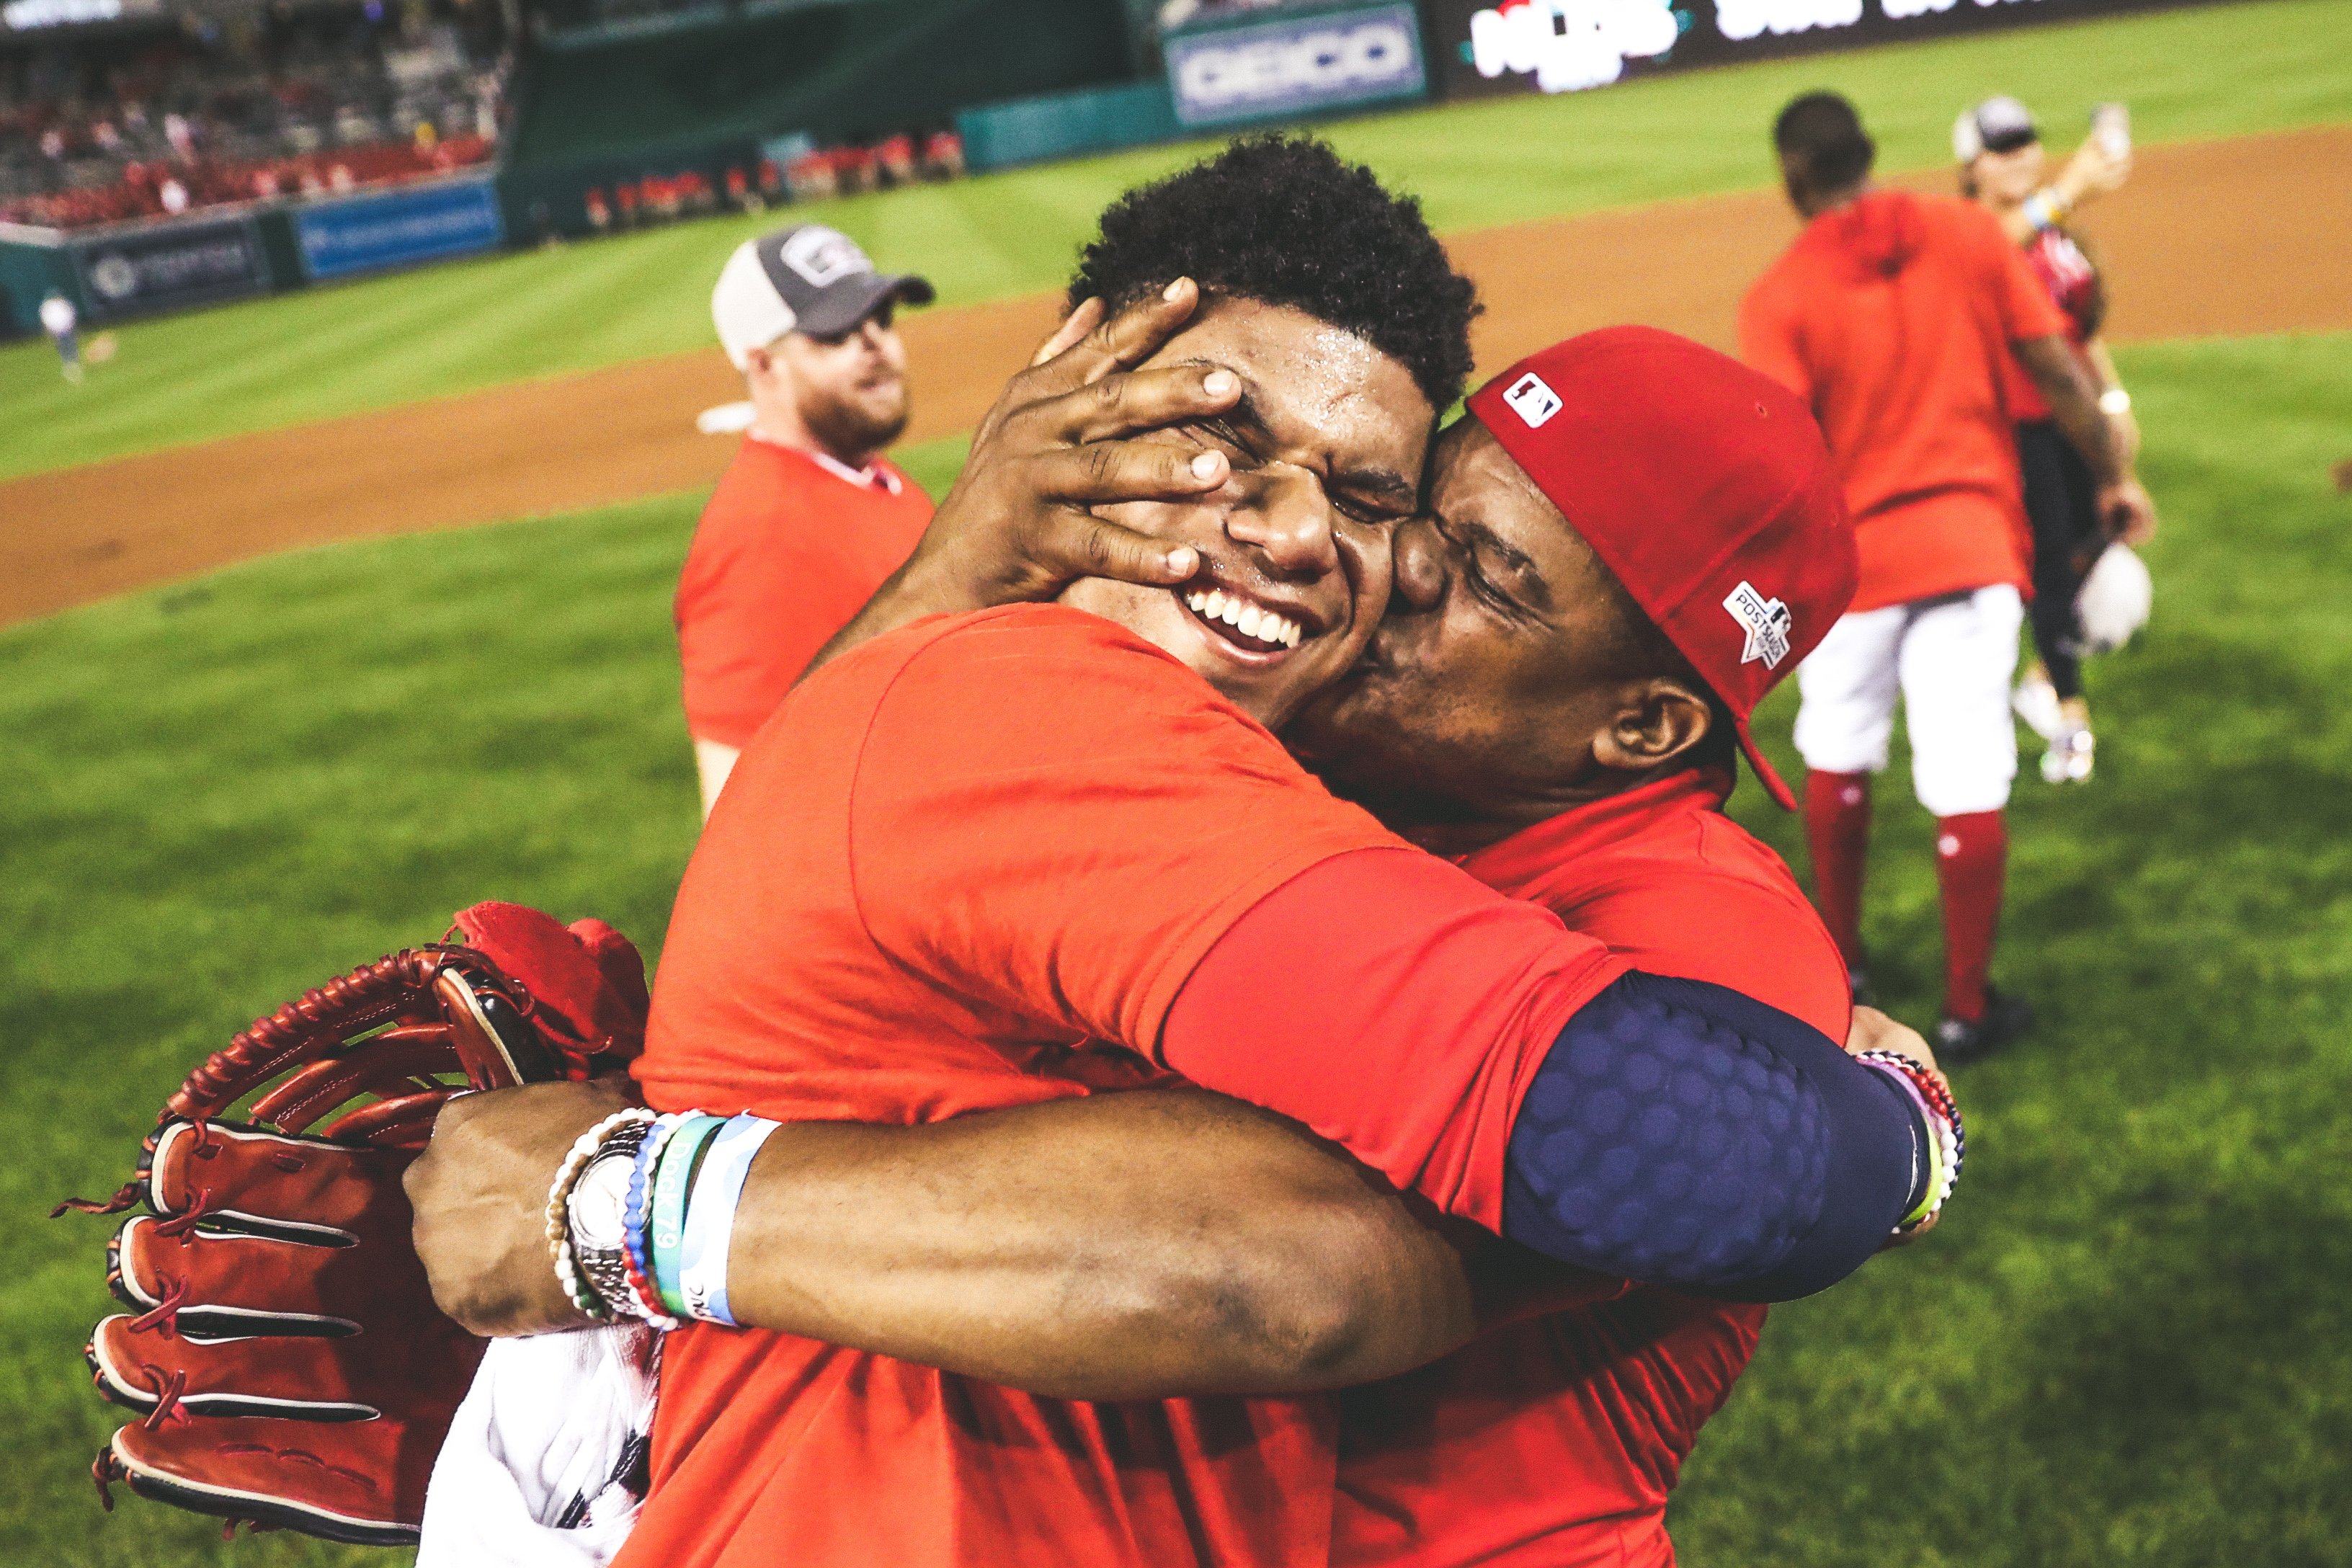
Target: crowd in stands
column 898, row 160
column 284, row 100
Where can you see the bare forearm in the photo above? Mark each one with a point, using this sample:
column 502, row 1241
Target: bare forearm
column 1146, row 1244
column 2066, row 385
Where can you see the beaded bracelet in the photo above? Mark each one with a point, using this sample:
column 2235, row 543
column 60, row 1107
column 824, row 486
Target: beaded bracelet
column 1947, row 1135
column 643, row 1302
column 559, row 1205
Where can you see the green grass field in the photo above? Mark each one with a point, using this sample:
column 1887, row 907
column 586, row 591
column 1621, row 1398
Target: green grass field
column 2129, row 1345
column 2216, row 71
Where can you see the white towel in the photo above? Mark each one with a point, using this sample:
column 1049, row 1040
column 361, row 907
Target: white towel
column 545, row 1465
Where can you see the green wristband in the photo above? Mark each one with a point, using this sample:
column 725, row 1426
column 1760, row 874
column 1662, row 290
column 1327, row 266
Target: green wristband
column 673, row 1184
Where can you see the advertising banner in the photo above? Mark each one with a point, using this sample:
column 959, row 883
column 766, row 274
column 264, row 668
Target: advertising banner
column 171, row 266
column 399, row 227
column 1484, row 47
column 1296, row 66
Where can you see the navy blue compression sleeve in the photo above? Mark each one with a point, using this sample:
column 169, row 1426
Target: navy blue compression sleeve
column 1686, row 1135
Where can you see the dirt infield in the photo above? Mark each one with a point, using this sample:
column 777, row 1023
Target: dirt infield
column 2251, row 235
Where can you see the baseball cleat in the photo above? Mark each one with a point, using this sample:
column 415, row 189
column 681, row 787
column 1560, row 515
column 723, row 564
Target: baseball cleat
column 2070, row 756
column 2005, row 1018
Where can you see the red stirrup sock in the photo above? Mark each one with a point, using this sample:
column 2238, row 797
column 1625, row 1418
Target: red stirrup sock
column 1837, row 831
column 1971, row 861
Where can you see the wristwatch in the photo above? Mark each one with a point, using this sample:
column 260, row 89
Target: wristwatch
column 597, row 1216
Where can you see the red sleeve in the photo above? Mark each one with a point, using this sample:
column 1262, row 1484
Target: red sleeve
column 1767, row 337
column 1056, row 820
column 1397, row 1006
column 757, row 599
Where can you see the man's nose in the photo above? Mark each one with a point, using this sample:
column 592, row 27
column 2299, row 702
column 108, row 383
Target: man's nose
column 1286, row 519
column 1421, row 565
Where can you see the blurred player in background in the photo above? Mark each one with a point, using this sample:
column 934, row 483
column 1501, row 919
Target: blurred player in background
column 62, row 322
column 2003, row 166
column 810, row 517
column 1895, row 315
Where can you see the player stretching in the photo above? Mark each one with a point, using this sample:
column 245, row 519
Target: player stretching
column 2002, row 166
column 810, row 517
column 1895, row 315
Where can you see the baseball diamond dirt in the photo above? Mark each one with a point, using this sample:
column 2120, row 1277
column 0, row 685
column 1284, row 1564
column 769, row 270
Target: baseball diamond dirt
column 2270, row 212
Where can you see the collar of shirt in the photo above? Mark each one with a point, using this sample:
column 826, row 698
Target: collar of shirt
column 876, row 475
column 1533, row 854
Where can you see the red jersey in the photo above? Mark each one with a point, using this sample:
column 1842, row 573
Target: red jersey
column 791, row 547
column 955, row 857
column 2072, row 280
column 1555, row 1441
column 1894, row 316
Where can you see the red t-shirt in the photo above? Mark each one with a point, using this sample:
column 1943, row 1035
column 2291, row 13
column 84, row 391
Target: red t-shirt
column 958, row 855
column 1555, row 1441
column 788, row 549
column 2072, row 280
column 1894, row 316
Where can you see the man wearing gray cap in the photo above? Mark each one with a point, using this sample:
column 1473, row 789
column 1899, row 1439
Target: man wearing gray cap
column 810, row 517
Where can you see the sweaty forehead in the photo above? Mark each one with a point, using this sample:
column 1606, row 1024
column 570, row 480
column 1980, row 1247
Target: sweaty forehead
column 1315, row 388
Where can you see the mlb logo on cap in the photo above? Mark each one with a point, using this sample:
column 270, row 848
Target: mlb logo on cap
column 1531, row 400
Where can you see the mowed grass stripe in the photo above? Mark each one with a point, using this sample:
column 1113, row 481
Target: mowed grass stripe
column 2129, row 1345
column 2215, row 71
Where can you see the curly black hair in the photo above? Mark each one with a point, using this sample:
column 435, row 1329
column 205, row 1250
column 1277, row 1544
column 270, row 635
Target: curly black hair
column 1282, row 220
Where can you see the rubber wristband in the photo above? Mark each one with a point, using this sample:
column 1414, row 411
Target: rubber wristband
column 645, row 1303
column 673, row 1184
column 711, row 1218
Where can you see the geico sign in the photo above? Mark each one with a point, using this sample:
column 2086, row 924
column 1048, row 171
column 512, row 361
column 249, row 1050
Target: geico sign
column 1743, row 19
column 1370, row 53
column 1569, row 44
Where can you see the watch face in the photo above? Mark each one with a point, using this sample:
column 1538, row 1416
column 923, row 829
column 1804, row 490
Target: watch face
column 599, row 1202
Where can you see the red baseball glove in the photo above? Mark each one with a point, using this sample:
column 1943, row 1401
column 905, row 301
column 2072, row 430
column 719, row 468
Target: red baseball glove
column 285, row 1348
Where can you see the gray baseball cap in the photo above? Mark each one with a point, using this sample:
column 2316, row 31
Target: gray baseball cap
column 807, row 279
column 1996, row 125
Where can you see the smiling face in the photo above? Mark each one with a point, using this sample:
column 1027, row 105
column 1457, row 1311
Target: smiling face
column 1324, row 447
column 1499, row 687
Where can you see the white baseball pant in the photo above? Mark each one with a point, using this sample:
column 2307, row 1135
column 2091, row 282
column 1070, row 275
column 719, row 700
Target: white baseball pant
column 1952, row 660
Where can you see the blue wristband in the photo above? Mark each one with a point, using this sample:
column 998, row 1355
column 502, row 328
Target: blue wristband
column 711, row 1218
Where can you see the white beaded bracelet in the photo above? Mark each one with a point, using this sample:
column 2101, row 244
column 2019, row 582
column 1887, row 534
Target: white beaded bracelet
column 559, row 1203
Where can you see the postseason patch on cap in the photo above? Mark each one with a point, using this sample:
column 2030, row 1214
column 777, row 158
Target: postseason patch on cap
column 1531, row 399
column 1764, row 622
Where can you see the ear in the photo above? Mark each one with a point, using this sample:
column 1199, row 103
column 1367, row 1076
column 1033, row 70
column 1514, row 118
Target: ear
column 1657, row 720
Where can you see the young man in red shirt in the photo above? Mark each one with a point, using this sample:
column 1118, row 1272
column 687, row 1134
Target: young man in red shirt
column 1518, row 704
column 810, row 517
column 1894, row 316
column 1184, row 893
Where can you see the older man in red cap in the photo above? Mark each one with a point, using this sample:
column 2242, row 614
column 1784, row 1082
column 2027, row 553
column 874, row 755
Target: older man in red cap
column 1580, row 638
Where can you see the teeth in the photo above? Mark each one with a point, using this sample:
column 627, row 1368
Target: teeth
column 1250, row 620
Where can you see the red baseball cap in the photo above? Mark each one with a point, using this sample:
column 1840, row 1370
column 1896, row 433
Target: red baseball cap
column 1702, row 486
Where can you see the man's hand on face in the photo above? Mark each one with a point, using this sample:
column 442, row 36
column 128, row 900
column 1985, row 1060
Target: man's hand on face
column 1016, row 526
column 481, row 1198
